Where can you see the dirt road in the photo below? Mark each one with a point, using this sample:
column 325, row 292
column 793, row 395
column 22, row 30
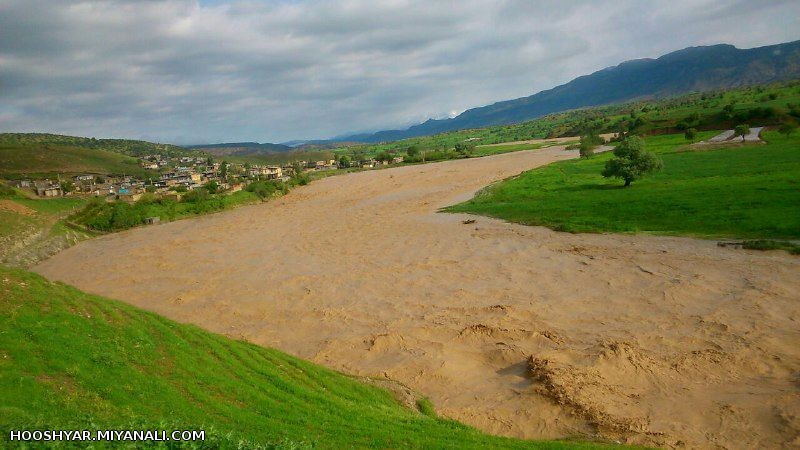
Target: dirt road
column 517, row 330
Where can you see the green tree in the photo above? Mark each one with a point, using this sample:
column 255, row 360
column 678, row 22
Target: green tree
column 223, row 170
column 412, row 151
column 344, row 161
column 67, row 186
column 690, row 134
column 741, row 130
column 631, row 161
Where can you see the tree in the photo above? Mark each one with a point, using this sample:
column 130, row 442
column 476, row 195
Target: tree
column 67, row 186
column 690, row 134
column 383, row 156
column 344, row 161
column 223, row 170
column 412, row 151
column 787, row 129
column 631, row 161
column 741, row 130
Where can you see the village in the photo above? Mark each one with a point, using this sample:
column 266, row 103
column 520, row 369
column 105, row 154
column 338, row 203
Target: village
column 174, row 176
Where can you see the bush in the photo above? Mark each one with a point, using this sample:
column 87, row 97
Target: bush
column 268, row 188
column 588, row 142
column 6, row 190
column 787, row 129
column 196, row 195
column 465, row 148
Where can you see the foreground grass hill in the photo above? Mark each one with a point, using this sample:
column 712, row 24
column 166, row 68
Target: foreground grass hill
column 69, row 360
column 726, row 191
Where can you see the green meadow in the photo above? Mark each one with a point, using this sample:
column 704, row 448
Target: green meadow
column 728, row 191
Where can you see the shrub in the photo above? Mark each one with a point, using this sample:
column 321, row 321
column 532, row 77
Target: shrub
column 465, row 148
column 6, row 190
column 196, row 196
column 787, row 129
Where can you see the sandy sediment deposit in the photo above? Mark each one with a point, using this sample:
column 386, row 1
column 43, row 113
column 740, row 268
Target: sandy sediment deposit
column 516, row 330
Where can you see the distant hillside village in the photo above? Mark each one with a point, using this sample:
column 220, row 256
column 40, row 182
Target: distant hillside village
column 175, row 175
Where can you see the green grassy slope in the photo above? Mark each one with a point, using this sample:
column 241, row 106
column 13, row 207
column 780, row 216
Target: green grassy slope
column 72, row 360
column 748, row 191
column 46, row 160
column 37, row 229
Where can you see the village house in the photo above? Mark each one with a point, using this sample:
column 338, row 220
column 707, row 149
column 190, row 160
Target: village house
column 48, row 188
column 22, row 184
column 270, row 172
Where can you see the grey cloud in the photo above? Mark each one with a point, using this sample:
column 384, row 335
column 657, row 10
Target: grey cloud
column 183, row 71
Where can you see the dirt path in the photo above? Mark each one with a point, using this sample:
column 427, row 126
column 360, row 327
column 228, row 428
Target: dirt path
column 517, row 330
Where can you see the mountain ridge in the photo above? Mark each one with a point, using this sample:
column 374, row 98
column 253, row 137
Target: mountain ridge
column 697, row 68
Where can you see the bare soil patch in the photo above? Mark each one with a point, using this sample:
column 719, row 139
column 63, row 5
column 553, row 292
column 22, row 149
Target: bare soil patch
column 14, row 207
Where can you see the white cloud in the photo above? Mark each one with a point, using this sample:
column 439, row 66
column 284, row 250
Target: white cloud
column 182, row 71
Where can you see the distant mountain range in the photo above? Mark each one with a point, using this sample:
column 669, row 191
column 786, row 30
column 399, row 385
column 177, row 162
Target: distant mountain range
column 688, row 70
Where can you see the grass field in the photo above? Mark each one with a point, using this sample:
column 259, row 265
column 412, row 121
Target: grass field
column 748, row 191
column 48, row 160
column 69, row 360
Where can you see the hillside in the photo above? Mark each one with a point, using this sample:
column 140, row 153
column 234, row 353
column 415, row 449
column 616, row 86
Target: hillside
column 76, row 361
column 688, row 70
column 124, row 146
column 47, row 160
column 240, row 148
column 47, row 155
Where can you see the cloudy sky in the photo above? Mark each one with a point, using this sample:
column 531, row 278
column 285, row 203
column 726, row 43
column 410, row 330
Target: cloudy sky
column 188, row 71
